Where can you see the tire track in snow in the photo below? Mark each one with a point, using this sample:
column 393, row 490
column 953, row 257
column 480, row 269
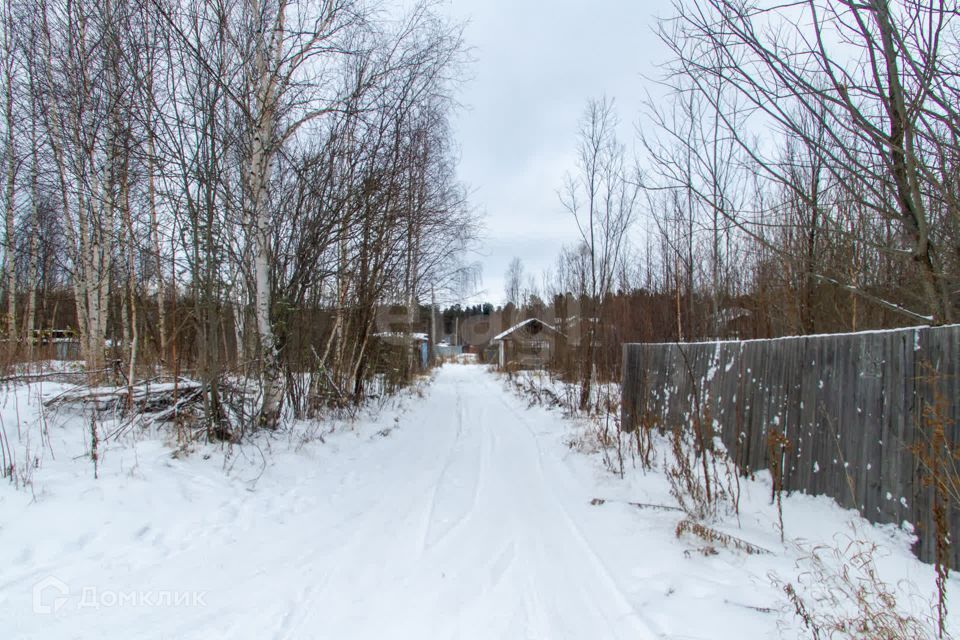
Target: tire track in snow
column 596, row 562
column 438, row 483
column 449, row 488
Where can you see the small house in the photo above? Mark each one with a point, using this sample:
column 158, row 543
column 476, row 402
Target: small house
column 531, row 344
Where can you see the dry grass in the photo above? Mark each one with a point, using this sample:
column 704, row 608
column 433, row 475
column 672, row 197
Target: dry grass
column 713, row 537
column 839, row 594
column 778, row 448
column 938, row 458
column 703, row 480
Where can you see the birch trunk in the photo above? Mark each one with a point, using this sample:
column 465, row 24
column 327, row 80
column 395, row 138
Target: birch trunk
column 10, row 266
column 261, row 159
column 155, row 230
column 30, row 319
column 133, row 332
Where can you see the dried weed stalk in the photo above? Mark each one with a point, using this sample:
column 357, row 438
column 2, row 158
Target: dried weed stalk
column 839, row 594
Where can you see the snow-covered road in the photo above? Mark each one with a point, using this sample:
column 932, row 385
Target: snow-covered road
column 466, row 515
column 462, row 531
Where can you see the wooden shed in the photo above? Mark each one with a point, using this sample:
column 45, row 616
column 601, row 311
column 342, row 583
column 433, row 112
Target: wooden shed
column 399, row 344
column 530, row 344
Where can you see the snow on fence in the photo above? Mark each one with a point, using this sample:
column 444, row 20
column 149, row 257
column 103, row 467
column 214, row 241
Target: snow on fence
column 851, row 405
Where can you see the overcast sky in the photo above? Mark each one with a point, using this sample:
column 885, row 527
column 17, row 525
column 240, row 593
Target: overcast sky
column 537, row 62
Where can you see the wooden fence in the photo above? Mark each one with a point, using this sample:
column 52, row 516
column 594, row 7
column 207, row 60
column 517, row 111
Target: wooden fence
column 852, row 406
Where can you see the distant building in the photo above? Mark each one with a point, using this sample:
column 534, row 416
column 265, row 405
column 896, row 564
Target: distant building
column 530, row 344
column 64, row 342
column 400, row 343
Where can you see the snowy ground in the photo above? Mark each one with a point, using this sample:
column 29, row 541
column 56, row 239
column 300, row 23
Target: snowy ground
column 464, row 514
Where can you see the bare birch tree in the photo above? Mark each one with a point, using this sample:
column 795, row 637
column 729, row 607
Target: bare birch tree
column 8, row 70
column 602, row 197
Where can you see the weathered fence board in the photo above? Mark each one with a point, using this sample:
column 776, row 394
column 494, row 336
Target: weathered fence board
column 851, row 405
